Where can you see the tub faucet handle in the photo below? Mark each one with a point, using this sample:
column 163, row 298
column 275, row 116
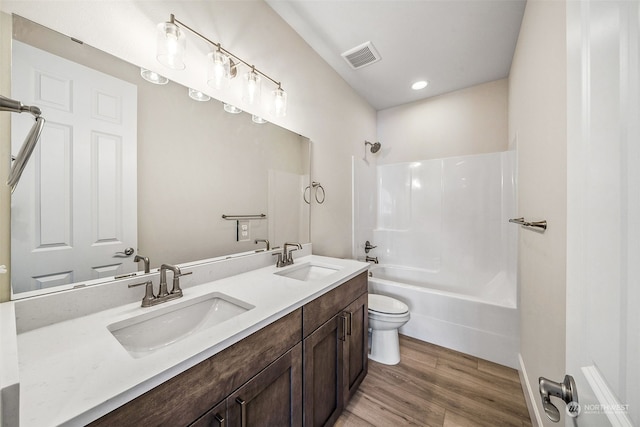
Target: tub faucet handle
column 368, row 247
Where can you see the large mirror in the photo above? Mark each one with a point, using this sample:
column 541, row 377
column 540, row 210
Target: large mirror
column 126, row 164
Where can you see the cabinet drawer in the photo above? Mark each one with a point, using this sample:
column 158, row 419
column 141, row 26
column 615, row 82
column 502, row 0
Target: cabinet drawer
column 189, row 395
column 318, row 311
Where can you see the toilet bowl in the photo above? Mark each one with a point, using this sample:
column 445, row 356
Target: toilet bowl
column 386, row 316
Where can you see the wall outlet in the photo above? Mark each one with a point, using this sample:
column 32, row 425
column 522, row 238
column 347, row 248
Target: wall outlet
column 244, row 231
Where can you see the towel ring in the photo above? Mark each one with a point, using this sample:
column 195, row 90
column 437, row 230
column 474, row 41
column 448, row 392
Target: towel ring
column 304, row 194
column 318, row 186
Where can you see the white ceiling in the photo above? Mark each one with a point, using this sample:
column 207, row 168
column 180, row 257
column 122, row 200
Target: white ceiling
column 452, row 44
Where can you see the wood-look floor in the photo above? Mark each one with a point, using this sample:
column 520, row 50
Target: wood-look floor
column 435, row 386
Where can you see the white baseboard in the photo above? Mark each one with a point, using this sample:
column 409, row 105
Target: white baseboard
column 529, row 394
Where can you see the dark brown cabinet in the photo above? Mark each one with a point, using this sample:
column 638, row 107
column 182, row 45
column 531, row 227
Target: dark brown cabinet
column 335, row 354
column 271, row 398
column 323, row 373
column 300, row 370
column 356, row 345
column 215, row 417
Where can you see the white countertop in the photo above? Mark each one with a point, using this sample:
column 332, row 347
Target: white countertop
column 74, row 371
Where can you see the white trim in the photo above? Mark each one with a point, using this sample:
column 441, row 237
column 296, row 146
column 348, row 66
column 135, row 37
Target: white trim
column 529, row 395
column 606, row 398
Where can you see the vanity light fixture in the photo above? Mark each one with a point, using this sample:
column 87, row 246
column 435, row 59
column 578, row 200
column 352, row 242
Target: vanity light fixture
column 251, row 87
column 196, row 95
column 153, row 77
column 419, row 85
column 231, row 108
column 221, row 69
column 279, row 102
column 171, row 45
column 222, row 65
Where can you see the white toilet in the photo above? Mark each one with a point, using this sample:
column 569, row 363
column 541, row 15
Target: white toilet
column 386, row 316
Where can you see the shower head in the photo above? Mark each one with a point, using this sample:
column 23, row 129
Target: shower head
column 375, row 146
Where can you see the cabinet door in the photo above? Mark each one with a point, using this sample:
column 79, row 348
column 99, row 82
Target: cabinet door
column 271, row 398
column 323, row 373
column 215, row 417
column 356, row 360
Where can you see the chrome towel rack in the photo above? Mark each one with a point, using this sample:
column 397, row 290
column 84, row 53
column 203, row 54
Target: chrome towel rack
column 542, row 225
column 243, row 217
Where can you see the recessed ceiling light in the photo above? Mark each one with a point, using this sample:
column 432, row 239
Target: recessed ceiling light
column 419, row 85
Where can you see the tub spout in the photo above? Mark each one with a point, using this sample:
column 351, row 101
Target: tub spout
column 373, row 259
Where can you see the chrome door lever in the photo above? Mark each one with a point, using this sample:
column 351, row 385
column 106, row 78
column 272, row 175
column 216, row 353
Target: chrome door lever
column 566, row 390
column 126, row 252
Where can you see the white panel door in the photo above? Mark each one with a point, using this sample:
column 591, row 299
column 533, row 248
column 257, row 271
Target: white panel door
column 603, row 239
column 75, row 207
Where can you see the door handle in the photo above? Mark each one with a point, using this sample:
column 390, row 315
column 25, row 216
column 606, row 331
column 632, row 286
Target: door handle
column 126, row 252
column 566, row 390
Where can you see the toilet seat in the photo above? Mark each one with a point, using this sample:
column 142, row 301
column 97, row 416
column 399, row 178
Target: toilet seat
column 386, row 305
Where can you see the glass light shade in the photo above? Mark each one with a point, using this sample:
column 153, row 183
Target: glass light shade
column 251, row 88
column 257, row 119
column 279, row 103
column 196, row 95
column 219, row 73
column 231, row 108
column 153, row 77
column 171, row 46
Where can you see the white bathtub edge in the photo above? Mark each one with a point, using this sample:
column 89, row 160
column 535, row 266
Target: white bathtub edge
column 529, row 395
column 496, row 348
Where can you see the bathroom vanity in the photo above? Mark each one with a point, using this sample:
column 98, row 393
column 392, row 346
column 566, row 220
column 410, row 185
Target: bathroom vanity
column 292, row 352
column 259, row 380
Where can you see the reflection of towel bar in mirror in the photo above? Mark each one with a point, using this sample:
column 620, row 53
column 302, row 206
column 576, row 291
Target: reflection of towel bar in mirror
column 534, row 224
column 237, row 217
column 317, row 186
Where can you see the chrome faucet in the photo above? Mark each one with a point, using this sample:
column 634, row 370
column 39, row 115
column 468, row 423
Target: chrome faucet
column 175, row 289
column 288, row 257
column 285, row 258
column 373, row 259
column 263, row 241
column 144, row 259
column 150, row 299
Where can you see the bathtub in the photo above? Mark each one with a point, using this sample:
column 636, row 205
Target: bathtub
column 478, row 318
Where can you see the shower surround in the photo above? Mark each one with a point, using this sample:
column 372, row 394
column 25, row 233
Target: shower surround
column 445, row 248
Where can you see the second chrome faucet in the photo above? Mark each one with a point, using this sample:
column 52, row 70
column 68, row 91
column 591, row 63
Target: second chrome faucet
column 150, row 299
column 285, row 258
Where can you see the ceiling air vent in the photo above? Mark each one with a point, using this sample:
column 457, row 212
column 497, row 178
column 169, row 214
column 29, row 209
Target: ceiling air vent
column 362, row 55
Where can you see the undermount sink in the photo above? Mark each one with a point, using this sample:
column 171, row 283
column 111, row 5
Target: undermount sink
column 308, row 271
column 144, row 334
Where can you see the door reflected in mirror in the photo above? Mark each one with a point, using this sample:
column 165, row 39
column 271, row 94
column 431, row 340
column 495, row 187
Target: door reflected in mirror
column 93, row 190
